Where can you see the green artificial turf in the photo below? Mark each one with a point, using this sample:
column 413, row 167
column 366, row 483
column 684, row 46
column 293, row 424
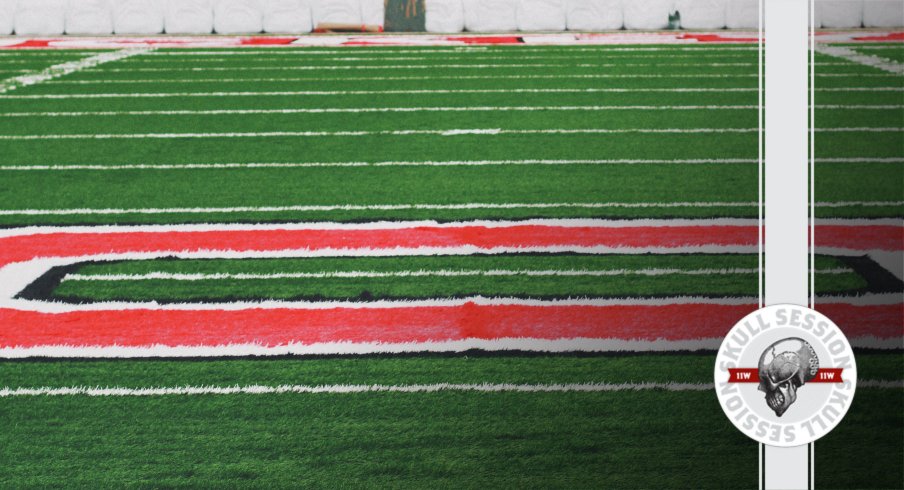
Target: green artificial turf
column 642, row 439
column 737, row 283
column 563, row 440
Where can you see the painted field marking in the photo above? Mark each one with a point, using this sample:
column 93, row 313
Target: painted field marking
column 420, row 132
column 379, row 92
column 451, row 163
column 590, row 76
column 356, row 110
column 364, row 110
column 402, row 207
column 377, row 388
column 452, row 66
column 69, row 67
column 133, row 329
column 390, row 50
column 425, row 92
column 368, row 207
column 480, row 56
column 169, row 276
column 871, row 61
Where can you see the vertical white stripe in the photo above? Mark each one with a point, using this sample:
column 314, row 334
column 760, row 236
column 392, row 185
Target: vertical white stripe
column 786, row 198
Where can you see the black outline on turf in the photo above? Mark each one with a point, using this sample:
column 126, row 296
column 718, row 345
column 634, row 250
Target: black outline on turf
column 470, row 353
column 878, row 281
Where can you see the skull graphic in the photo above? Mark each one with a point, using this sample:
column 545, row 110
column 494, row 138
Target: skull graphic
column 784, row 367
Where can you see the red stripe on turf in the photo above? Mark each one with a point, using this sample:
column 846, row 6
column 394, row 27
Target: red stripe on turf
column 21, row 248
column 76, row 244
column 406, row 324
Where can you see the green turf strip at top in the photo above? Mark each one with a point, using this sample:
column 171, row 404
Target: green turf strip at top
column 427, row 287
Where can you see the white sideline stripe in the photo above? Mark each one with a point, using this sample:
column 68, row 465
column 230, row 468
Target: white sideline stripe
column 458, row 57
column 439, row 66
column 396, row 207
column 360, row 110
column 871, row 61
column 105, row 81
column 348, row 348
column 352, row 389
column 421, row 132
column 391, row 50
column 382, row 164
column 56, row 71
column 356, row 110
column 427, row 92
column 377, row 388
column 419, row 273
column 189, row 166
column 383, row 92
column 398, row 78
column 442, row 66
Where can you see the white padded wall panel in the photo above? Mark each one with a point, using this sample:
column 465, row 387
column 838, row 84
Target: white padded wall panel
column 137, row 16
column 372, row 12
column 594, row 15
column 89, row 17
column 541, row 15
column 883, row 13
column 444, row 15
column 742, row 14
column 647, row 14
column 40, row 17
column 7, row 17
column 188, row 17
column 701, row 14
column 238, row 16
column 839, row 13
column 289, row 16
column 336, row 11
column 490, row 15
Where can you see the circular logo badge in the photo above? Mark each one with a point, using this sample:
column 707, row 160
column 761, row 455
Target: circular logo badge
column 785, row 375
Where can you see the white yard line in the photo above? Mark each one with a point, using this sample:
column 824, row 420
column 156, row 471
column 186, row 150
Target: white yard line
column 397, row 207
column 378, row 388
column 418, row 132
column 363, row 348
column 593, row 76
column 169, row 276
column 138, row 95
column 481, row 56
column 350, row 389
column 287, row 93
column 438, row 66
column 364, row 110
column 871, row 61
column 63, row 69
column 394, row 50
column 452, row 163
column 367, row 207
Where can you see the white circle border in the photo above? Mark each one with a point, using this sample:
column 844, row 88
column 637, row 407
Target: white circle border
column 849, row 375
